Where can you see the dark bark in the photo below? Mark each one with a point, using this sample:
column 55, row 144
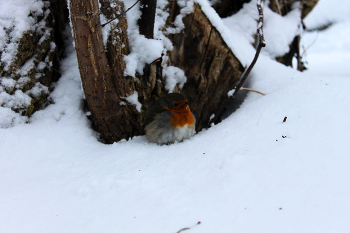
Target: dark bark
column 293, row 52
column 117, row 47
column 60, row 13
column 283, row 7
column 148, row 13
column 149, row 85
column 275, row 6
column 308, row 6
column 227, row 8
column 110, row 119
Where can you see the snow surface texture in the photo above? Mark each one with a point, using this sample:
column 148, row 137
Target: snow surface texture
column 326, row 12
column 250, row 173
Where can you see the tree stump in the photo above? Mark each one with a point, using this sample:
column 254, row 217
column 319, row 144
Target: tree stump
column 209, row 64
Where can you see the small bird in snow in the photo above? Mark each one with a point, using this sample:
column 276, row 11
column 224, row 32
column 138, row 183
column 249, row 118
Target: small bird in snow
column 169, row 120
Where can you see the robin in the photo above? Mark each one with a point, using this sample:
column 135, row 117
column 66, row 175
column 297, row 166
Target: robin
column 169, row 119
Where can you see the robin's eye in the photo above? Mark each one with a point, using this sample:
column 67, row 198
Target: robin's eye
column 176, row 104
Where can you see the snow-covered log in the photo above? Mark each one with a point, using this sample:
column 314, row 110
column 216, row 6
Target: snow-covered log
column 30, row 37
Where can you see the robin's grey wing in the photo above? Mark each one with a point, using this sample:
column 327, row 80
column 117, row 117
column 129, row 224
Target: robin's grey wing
column 150, row 113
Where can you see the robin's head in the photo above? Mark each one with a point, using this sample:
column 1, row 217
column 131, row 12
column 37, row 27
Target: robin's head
column 174, row 102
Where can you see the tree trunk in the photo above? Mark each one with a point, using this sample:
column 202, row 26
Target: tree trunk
column 209, row 65
column 112, row 120
column 148, row 13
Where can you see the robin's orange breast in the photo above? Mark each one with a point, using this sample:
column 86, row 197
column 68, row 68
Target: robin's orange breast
column 181, row 117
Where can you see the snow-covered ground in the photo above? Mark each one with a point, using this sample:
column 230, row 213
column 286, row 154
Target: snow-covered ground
column 250, row 173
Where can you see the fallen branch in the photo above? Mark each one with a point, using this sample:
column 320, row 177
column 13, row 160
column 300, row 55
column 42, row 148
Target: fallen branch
column 247, row 72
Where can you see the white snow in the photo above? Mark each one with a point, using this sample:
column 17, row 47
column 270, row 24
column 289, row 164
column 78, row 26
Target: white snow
column 326, row 12
column 14, row 18
column 9, row 118
column 37, row 90
column 178, row 25
column 7, row 83
column 143, row 50
column 250, row 173
column 18, row 100
column 279, row 31
column 231, row 92
column 174, row 75
column 133, row 99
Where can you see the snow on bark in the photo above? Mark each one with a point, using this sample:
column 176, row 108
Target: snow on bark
column 27, row 51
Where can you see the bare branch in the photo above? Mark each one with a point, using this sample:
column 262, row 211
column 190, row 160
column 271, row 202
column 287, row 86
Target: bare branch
column 118, row 16
column 310, row 45
column 260, row 24
column 278, row 7
column 261, row 44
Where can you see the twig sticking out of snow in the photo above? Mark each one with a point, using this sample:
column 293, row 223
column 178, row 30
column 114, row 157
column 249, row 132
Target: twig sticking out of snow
column 117, row 17
column 310, row 45
column 187, row 228
column 261, row 44
column 260, row 28
column 252, row 90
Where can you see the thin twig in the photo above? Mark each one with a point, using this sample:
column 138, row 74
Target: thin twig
column 187, row 228
column 301, row 66
column 302, row 9
column 278, row 7
column 309, row 46
column 247, row 72
column 121, row 14
column 252, row 90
